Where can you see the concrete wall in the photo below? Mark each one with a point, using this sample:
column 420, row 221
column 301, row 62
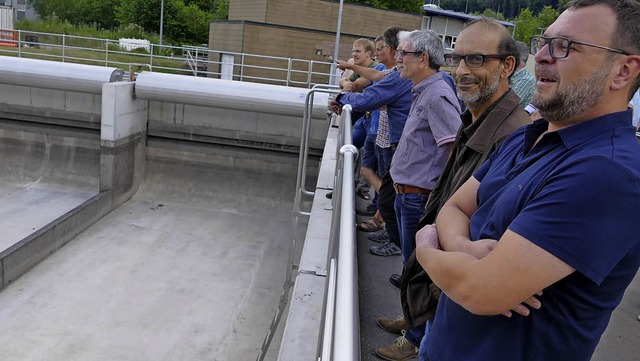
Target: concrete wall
column 170, row 120
column 232, row 127
column 50, row 106
column 122, row 141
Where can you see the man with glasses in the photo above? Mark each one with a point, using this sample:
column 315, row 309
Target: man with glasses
column 394, row 93
column 483, row 60
column 552, row 210
column 377, row 149
column 423, row 149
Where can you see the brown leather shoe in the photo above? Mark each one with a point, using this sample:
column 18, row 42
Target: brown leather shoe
column 399, row 350
column 392, row 326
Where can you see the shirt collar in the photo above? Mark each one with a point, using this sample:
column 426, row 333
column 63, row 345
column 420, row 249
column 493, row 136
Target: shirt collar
column 582, row 132
column 418, row 88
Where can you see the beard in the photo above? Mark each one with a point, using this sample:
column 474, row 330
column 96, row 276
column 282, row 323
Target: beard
column 485, row 91
column 576, row 98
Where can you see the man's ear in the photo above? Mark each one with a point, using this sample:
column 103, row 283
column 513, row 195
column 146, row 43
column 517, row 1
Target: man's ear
column 426, row 59
column 509, row 65
column 626, row 72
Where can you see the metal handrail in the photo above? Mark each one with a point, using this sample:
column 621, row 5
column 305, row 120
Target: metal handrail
column 341, row 327
column 66, row 45
column 304, row 146
column 296, row 213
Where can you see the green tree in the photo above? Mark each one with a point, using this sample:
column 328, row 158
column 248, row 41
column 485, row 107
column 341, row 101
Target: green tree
column 547, row 16
column 527, row 25
column 490, row 13
column 409, row 6
column 98, row 12
column 183, row 24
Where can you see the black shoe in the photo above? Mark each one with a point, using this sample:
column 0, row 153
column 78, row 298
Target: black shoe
column 396, row 280
column 369, row 211
column 329, row 195
column 363, row 193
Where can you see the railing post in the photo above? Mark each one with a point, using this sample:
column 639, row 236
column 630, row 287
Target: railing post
column 151, row 60
column 63, row 45
column 19, row 43
column 309, row 73
column 106, row 50
column 241, row 66
column 289, row 65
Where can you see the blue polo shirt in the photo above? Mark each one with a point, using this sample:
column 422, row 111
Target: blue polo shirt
column 576, row 194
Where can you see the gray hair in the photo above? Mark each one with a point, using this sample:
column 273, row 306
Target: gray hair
column 429, row 42
column 402, row 36
column 524, row 52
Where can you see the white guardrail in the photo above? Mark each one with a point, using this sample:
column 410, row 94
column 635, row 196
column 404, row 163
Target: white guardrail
column 340, row 339
column 187, row 60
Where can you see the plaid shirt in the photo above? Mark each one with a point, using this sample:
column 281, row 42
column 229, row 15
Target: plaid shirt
column 382, row 138
column 524, row 84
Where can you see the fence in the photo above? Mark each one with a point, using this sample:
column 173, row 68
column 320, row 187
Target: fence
column 188, row 60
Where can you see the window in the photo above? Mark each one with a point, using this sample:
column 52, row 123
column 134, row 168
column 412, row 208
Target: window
column 20, row 14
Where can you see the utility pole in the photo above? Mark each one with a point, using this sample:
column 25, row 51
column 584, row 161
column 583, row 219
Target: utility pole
column 333, row 78
column 161, row 19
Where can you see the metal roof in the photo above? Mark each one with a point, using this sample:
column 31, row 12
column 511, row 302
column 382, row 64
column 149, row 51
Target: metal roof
column 429, row 9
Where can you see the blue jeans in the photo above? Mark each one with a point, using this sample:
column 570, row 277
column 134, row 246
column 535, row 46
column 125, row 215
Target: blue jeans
column 383, row 155
column 359, row 132
column 409, row 208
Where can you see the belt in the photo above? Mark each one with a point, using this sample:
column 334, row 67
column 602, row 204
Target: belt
column 403, row 189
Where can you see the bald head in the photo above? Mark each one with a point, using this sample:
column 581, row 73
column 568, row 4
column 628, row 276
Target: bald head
column 506, row 44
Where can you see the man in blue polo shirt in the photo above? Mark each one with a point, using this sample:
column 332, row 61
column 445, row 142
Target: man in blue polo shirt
column 552, row 211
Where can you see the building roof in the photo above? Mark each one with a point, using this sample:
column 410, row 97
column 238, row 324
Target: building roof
column 433, row 10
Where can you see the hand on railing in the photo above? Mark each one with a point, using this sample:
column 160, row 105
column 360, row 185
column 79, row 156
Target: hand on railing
column 335, row 106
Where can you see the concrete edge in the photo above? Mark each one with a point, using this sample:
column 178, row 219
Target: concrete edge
column 25, row 254
column 303, row 322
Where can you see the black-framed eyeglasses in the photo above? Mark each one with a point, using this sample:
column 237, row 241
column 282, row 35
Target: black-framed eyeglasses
column 472, row 60
column 559, row 47
column 402, row 53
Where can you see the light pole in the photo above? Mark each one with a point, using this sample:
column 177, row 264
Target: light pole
column 333, row 78
column 161, row 19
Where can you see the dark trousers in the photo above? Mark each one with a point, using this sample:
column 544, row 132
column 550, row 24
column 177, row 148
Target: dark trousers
column 386, row 202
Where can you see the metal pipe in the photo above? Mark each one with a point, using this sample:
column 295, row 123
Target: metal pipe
column 220, row 93
column 329, row 320
column 336, row 49
column 161, row 19
column 55, row 75
column 347, row 326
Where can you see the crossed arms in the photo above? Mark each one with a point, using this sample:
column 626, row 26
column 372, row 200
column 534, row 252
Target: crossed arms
column 486, row 277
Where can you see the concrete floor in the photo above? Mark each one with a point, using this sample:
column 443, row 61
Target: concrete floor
column 190, row 269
